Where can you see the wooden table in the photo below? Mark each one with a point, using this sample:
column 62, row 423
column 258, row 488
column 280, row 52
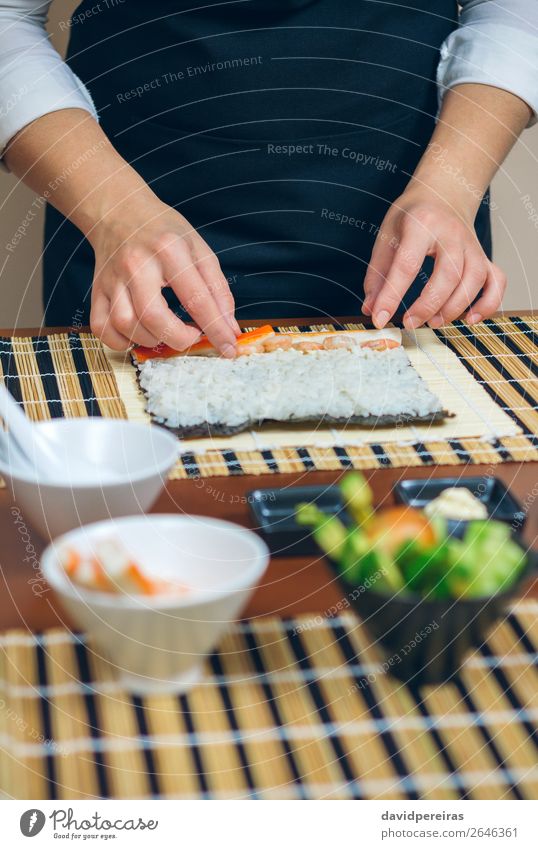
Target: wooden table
column 292, row 585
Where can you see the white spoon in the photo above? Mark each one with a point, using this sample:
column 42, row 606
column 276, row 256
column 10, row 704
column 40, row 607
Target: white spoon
column 27, row 440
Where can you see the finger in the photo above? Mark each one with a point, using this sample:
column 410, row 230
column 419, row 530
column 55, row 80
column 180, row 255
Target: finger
column 125, row 320
column 182, row 275
column 446, row 276
column 209, row 268
column 101, row 326
column 491, row 297
column 154, row 314
column 473, row 278
column 378, row 268
column 415, row 245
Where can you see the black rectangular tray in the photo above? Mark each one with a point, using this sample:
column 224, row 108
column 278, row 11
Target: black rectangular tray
column 499, row 501
column 274, row 514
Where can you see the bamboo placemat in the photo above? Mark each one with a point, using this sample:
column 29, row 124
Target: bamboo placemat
column 487, row 375
column 286, row 709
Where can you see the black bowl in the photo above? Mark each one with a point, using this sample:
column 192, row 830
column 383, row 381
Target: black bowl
column 425, row 641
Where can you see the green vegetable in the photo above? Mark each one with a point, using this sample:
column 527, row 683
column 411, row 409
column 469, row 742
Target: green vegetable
column 364, row 564
column 357, row 497
column 461, row 568
column 328, row 531
column 399, row 551
column 485, row 562
column 390, row 579
column 356, row 556
column 424, row 568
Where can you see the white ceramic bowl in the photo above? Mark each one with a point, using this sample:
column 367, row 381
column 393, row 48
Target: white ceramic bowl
column 129, row 463
column 159, row 643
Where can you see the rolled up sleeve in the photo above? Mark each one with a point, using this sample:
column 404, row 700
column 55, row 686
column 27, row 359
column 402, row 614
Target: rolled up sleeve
column 495, row 44
column 34, row 80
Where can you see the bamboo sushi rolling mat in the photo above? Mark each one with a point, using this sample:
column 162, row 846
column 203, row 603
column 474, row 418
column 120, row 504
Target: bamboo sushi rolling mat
column 486, row 375
column 286, row 709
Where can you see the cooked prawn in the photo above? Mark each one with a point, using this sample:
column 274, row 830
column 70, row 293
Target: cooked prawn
column 277, row 343
column 307, row 345
column 245, row 350
column 333, row 343
column 381, row 344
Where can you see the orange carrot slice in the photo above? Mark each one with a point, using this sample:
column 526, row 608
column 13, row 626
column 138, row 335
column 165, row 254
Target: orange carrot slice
column 203, row 346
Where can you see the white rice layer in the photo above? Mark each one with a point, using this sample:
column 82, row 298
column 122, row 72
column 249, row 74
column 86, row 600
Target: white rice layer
column 285, row 385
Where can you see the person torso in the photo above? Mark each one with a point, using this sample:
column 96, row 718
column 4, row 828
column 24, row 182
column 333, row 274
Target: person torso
column 282, row 129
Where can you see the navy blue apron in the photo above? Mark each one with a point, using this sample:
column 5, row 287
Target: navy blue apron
column 281, row 129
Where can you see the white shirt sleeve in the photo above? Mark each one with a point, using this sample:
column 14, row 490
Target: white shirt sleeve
column 34, row 79
column 495, row 44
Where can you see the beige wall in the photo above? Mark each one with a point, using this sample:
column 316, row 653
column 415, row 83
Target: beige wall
column 515, row 232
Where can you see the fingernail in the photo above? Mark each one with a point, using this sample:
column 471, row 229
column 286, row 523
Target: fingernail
column 474, row 318
column 381, row 318
column 367, row 307
column 435, row 322
column 228, row 351
column 411, row 322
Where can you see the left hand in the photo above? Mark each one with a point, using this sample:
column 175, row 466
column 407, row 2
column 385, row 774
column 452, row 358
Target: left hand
column 416, row 226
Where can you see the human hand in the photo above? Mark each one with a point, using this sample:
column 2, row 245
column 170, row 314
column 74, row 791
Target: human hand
column 140, row 248
column 416, row 226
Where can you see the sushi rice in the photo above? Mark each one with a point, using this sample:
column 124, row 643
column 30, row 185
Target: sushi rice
column 286, row 386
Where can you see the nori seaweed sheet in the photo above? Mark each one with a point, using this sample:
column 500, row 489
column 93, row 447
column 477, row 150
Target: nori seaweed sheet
column 206, row 429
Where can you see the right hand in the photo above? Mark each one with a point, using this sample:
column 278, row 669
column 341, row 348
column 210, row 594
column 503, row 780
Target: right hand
column 140, row 251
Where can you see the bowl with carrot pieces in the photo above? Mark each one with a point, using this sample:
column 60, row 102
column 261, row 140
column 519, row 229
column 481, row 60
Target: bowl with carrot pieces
column 425, row 595
column 155, row 593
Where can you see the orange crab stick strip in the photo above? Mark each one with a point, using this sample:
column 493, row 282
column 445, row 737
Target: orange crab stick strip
column 141, row 583
column 203, row 346
column 71, row 562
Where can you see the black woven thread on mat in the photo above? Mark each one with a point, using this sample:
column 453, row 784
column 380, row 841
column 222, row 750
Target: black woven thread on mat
column 232, row 462
column 425, row 457
column 460, row 451
column 525, row 328
column 454, row 772
column 385, row 735
column 306, row 459
column 510, row 694
column 382, row 457
column 510, row 343
column 216, row 666
column 345, row 460
column 488, row 740
column 269, row 458
column 485, row 351
column 321, row 707
column 41, row 664
column 152, row 774
column 81, row 654
column 190, row 465
column 195, row 749
column 272, row 703
column 522, row 636
column 9, row 368
column 83, row 374
column 502, row 451
column 47, row 373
